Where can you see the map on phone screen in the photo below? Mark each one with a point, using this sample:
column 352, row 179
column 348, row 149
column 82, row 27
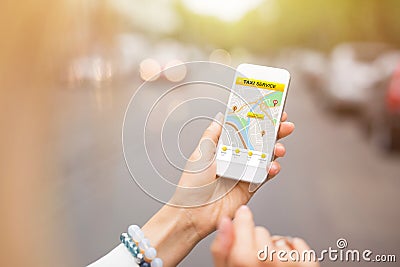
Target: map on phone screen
column 252, row 116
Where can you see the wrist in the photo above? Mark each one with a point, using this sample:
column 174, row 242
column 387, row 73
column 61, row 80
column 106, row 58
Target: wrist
column 172, row 232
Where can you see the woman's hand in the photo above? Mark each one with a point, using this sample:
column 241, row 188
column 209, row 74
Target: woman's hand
column 202, row 199
column 240, row 243
column 208, row 198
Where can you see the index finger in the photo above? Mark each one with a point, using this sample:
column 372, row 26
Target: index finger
column 214, row 130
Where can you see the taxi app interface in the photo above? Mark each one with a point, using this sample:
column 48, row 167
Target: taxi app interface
column 249, row 130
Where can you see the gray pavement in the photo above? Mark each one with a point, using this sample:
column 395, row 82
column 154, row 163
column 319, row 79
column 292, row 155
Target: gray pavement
column 333, row 183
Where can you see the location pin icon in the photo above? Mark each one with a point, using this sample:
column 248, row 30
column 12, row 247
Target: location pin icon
column 275, row 102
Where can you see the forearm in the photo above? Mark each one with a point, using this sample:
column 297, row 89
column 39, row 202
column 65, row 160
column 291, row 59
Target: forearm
column 172, row 233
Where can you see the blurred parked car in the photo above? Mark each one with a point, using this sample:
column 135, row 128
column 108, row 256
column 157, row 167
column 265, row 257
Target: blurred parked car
column 393, row 110
column 88, row 70
column 388, row 131
column 383, row 118
column 354, row 71
column 306, row 65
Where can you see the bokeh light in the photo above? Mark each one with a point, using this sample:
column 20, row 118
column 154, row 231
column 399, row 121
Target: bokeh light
column 175, row 70
column 220, row 56
column 149, row 69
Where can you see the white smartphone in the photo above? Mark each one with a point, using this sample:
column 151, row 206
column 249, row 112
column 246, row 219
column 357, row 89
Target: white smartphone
column 252, row 120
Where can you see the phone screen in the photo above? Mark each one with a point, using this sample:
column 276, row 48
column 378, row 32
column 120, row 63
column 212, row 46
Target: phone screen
column 251, row 122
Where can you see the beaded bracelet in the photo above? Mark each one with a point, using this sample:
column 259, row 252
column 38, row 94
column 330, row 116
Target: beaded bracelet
column 140, row 248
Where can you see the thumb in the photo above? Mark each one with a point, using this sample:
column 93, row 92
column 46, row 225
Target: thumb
column 213, row 131
column 220, row 248
column 209, row 140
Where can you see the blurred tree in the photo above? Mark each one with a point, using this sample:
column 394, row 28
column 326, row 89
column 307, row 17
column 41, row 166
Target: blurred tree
column 307, row 23
column 38, row 38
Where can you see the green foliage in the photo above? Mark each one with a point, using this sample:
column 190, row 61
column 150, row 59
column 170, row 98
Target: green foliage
column 318, row 24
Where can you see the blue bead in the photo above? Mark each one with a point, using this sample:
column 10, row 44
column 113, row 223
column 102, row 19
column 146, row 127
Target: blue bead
column 134, row 249
column 123, row 237
column 144, row 264
column 130, row 244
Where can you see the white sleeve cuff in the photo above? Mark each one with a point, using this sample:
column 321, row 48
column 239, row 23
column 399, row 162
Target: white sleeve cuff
column 118, row 257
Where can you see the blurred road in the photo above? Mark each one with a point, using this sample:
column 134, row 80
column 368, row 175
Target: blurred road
column 333, row 183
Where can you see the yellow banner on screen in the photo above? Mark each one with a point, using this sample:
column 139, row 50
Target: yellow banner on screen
column 261, row 84
column 255, row 115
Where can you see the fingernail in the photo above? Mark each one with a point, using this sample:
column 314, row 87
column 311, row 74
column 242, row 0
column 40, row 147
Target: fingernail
column 244, row 208
column 219, row 118
column 280, row 243
column 274, row 167
column 296, row 240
